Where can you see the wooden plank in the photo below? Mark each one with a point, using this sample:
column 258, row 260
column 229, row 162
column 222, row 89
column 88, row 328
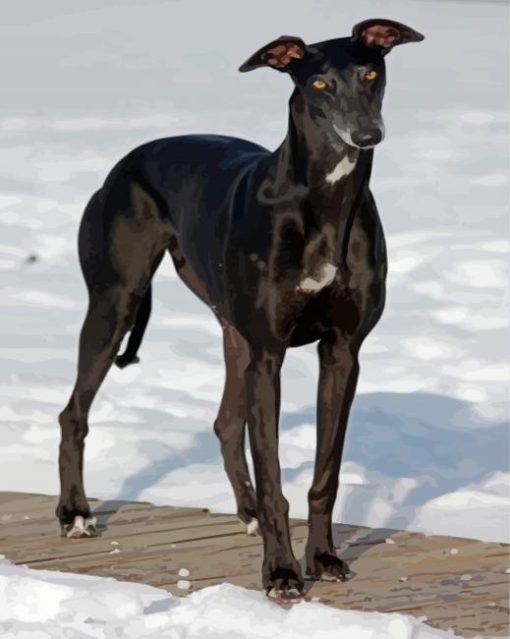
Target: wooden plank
column 48, row 547
column 120, row 527
column 457, row 583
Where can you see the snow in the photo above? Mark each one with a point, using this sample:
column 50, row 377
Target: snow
column 50, row 605
column 428, row 438
column 473, row 506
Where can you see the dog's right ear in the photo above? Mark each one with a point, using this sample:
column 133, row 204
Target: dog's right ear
column 282, row 54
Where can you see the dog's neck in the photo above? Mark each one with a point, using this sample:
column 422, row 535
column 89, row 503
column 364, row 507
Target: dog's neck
column 313, row 159
column 316, row 156
column 310, row 167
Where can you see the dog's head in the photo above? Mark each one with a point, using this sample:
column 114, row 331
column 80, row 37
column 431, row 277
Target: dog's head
column 342, row 81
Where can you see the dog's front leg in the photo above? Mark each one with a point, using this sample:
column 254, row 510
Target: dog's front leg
column 281, row 575
column 337, row 383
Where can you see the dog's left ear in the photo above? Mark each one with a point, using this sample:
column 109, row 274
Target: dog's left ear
column 281, row 54
column 385, row 34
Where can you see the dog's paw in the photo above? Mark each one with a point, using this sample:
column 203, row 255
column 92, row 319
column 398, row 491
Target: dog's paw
column 327, row 567
column 122, row 360
column 80, row 528
column 285, row 586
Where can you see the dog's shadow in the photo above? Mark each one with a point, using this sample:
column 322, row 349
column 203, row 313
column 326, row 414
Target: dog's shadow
column 349, row 541
column 438, row 441
column 104, row 511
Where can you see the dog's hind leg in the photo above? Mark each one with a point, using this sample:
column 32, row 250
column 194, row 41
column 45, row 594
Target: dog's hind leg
column 129, row 356
column 117, row 276
column 230, row 427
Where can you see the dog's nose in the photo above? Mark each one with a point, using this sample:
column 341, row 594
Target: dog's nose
column 367, row 138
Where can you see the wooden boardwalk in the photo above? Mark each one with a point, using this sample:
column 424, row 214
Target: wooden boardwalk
column 454, row 583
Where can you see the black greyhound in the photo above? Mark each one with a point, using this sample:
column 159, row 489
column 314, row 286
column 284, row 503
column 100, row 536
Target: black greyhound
column 286, row 248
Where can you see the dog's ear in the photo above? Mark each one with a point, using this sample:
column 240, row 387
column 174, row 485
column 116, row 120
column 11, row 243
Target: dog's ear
column 281, row 54
column 385, row 34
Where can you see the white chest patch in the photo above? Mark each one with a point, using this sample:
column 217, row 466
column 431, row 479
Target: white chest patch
column 315, row 283
column 341, row 170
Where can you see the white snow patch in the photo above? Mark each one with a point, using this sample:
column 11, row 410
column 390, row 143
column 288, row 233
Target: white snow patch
column 495, row 483
column 297, row 445
column 479, row 118
column 40, row 298
column 428, row 348
column 404, row 262
column 470, row 319
column 464, row 513
column 496, row 246
column 477, row 370
column 491, row 179
column 52, row 605
column 480, row 274
column 471, row 393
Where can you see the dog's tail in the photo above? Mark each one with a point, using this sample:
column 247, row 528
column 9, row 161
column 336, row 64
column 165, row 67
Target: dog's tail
column 129, row 356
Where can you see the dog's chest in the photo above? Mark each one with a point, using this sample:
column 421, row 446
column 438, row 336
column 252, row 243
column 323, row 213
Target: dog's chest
column 317, row 269
column 300, row 272
column 303, row 263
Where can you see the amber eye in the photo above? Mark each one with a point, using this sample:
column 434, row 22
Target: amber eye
column 371, row 75
column 319, row 85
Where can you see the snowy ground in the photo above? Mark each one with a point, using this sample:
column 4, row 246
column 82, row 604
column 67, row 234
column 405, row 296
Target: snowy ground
column 428, row 442
column 40, row 604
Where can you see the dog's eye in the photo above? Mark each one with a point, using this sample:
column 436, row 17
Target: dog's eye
column 371, row 75
column 319, row 85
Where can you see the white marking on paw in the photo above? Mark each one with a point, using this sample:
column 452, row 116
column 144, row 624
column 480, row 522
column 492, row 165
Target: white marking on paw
column 289, row 596
column 183, row 572
column 315, row 284
column 341, row 170
column 252, row 527
column 82, row 527
column 328, row 576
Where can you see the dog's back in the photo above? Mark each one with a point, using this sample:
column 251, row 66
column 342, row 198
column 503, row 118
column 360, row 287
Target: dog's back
column 192, row 181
